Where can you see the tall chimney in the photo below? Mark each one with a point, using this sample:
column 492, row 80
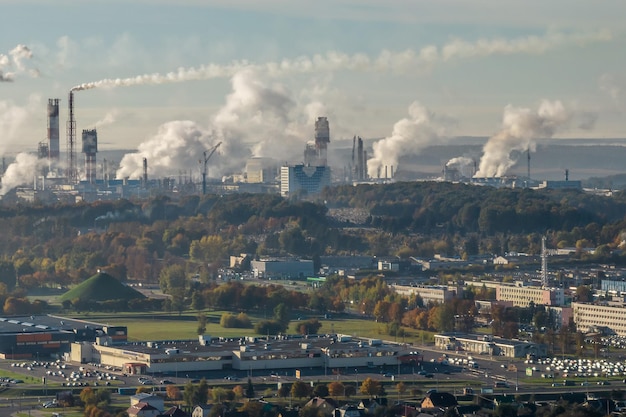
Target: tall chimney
column 53, row 129
column 145, row 172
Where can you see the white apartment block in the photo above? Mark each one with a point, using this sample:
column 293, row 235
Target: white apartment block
column 521, row 296
column 428, row 294
column 589, row 317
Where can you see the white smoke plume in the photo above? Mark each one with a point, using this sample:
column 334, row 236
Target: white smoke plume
column 254, row 113
column 403, row 62
column 614, row 86
column 108, row 118
column 20, row 172
column 13, row 117
column 521, row 127
column 409, row 137
column 464, row 164
column 15, row 63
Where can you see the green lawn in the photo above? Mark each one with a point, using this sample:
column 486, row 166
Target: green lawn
column 159, row 326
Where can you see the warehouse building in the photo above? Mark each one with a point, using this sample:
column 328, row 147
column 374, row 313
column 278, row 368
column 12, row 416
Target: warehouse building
column 246, row 354
column 47, row 336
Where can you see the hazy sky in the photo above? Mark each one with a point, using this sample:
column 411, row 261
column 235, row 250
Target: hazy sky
column 263, row 70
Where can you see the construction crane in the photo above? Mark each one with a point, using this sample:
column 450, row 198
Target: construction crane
column 207, row 155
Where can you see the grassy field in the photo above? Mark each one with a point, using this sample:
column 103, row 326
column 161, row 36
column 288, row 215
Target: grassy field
column 160, row 326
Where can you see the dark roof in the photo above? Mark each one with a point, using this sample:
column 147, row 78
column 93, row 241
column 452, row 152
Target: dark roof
column 319, row 401
column 442, row 399
column 140, row 406
column 174, row 412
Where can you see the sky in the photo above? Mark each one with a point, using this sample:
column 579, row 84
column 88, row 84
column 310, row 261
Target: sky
column 168, row 79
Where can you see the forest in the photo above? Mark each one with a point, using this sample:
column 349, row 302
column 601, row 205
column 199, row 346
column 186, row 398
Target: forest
column 60, row 245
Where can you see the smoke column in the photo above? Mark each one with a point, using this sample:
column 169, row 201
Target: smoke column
column 404, row 62
column 521, row 127
column 409, row 136
column 463, row 163
column 20, row 172
column 254, row 112
column 15, row 63
column 12, row 117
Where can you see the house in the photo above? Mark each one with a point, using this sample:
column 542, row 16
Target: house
column 439, row 400
column 142, row 409
column 174, row 412
column 154, row 400
column 201, row 410
column 348, row 411
column 326, row 405
column 370, row 405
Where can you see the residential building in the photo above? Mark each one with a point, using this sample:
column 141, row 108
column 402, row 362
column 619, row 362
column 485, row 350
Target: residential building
column 302, row 179
column 522, row 295
column 429, row 294
column 589, row 317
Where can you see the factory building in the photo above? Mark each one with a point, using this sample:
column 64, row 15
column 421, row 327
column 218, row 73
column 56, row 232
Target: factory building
column 489, row 345
column 30, row 337
column 591, row 317
column 245, row 354
column 282, row 268
column 261, row 170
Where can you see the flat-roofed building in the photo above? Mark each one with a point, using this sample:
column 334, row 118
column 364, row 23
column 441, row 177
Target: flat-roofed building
column 489, row 345
column 521, row 295
column 44, row 336
column 245, row 354
column 589, row 317
column 429, row 294
column 282, row 268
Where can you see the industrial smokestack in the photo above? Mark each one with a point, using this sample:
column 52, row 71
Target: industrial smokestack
column 528, row 155
column 145, row 172
column 391, row 172
column 90, row 148
column 72, row 174
column 53, row 129
column 567, row 175
column 322, row 139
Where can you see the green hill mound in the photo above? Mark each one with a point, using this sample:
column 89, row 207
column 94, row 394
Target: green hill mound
column 101, row 287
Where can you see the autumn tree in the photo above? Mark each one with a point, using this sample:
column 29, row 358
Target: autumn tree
column 336, row 389
column 173, row 392
column 371, row 387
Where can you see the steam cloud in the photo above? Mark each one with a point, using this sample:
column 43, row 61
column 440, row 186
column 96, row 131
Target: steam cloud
column 410, row 136
column 108, row 119
column 15, row 63
column 20, row 172
column 407, row 61
column 12, row 117
column 463, row 163
column 521, row 127
column 254, row 112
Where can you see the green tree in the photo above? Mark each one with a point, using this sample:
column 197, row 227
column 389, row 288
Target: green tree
column 299, row 389
column 172, row 278
column 320, row 390
column 281, row 314
column 197, row 300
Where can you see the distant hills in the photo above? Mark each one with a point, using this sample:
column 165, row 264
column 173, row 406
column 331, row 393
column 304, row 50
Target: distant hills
column 101, row 287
